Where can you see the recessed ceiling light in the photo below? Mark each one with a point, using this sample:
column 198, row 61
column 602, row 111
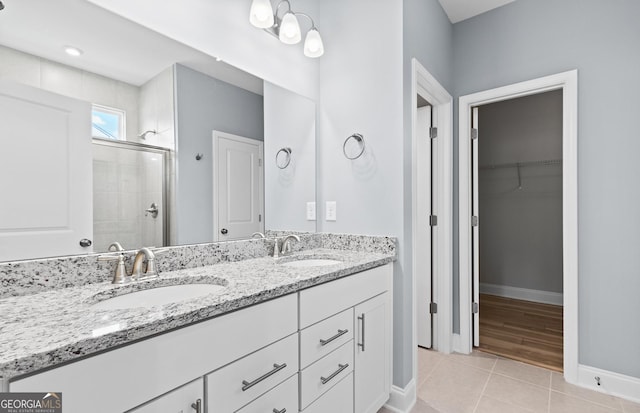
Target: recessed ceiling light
column 73, row 51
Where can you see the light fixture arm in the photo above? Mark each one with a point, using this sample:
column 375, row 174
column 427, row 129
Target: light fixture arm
column 313, row 24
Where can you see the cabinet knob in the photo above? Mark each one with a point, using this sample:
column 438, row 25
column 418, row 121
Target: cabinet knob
column 224, row 231
column 284, row 410
column 85, row 243
column 197, row 406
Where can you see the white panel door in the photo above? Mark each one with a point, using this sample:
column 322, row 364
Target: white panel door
column 45, row 173
column 238, row 187
column 423, row 228
column 475, row 228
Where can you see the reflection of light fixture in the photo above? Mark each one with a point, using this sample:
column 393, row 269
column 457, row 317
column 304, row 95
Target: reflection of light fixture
column 287, row 27
column 73, row 51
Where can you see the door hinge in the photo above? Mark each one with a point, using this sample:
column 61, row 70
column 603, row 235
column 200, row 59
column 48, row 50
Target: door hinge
column 433, row 220
column 474, row 133
column 259, row 217
column 259, row 162
column 474, row 221
column 475, row 308
column 433, row 308
column 433, row 132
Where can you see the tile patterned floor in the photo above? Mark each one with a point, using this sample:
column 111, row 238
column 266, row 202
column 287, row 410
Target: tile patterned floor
column 483, row 383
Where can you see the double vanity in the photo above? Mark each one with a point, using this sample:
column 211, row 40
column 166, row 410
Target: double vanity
column 224, row 328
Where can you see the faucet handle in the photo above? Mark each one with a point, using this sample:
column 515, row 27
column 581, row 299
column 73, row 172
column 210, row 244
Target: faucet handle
column 120, row 276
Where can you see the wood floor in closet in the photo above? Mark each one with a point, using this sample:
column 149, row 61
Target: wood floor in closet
column 521, row 330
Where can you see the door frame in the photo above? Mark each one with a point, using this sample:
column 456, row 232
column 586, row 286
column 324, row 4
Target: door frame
column 568, row 83
column 216, row 137
column 423, row 83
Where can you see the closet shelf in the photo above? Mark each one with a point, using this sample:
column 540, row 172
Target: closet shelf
column 547, row 162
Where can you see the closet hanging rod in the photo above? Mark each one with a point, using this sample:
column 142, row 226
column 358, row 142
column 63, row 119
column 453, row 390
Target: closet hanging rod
column 523, row 164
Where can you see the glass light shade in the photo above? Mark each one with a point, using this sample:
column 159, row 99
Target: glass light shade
column 313, row 46
column 261, row 14
column 290, row 29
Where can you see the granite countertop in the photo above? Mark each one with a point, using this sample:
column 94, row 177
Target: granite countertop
column 42, row 330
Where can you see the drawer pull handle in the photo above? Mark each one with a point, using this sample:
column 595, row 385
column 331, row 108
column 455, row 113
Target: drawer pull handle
column 284, row 410
column 276, row 368
column 361, row 345
column 330, row 339
column 197, row 406
column 341, row 367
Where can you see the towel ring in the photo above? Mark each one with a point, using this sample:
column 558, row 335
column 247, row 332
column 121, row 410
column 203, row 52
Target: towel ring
column 287, row 158
column 358, row 138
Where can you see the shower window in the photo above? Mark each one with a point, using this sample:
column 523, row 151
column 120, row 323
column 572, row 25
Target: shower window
column 107, row 123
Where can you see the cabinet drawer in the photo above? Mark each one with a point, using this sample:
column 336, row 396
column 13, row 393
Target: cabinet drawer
column 337, row 400
column 322, row 338
column 325, row 300
column 325, row 373
column 237, row 384
column 176, row 401
column 283, row 398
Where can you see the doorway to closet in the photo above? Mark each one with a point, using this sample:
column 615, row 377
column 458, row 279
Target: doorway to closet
column 517, row 226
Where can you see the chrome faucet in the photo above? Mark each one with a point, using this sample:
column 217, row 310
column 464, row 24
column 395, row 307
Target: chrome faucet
column 286, row 244
column 144, row 254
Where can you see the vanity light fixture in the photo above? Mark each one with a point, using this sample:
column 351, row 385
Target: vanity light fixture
column 287, row 26
column 73, row 51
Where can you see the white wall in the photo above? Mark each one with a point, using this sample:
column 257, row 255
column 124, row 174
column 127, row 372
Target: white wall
column 156, row 110
column 68, row 81
column 521, row 227
column 361, row 91
column 289, row 121
column 221, row 28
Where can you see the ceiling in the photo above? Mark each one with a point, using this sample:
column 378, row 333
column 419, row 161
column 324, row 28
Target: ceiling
column 113, row 46
column 459, row 10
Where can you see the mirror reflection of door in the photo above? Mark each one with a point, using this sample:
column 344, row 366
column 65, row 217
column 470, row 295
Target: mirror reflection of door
column 128, row 195
column 238, row 186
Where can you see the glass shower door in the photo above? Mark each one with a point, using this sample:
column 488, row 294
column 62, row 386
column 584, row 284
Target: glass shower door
column 128, row 195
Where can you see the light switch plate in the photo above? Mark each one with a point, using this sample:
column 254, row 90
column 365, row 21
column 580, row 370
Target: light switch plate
column 331, row 211
column 311, row 211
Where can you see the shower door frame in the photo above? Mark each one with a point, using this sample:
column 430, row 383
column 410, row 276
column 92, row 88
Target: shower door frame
column 164, row 152
column 568, row 83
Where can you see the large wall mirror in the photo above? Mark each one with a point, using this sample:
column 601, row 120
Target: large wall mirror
column 112, row 132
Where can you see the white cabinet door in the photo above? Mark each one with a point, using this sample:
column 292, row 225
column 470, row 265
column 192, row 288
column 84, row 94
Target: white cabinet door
column 186, row 399
column 45, row 173
column 372, row 358
column 238, row 187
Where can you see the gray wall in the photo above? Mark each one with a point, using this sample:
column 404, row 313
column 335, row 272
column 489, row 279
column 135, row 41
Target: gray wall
column 427, row 36
column 521, row 226
column 205, row 104
column 533, row 38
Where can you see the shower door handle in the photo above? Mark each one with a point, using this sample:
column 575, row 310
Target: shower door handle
column 153, row 210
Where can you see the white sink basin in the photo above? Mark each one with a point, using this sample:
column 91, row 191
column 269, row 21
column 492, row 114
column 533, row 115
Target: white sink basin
column 311, row 262
column 157, row 296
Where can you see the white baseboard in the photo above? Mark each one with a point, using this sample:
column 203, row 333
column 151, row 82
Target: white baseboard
column 538, row 296
column 614, row 384
column 402, row 400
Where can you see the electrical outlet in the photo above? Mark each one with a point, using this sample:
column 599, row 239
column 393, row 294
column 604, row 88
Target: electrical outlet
column 311, row 211
column 331, row 211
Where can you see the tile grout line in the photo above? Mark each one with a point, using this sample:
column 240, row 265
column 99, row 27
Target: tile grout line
column 486, row 383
